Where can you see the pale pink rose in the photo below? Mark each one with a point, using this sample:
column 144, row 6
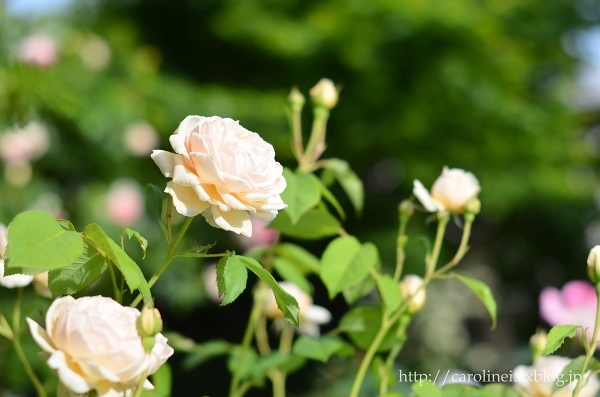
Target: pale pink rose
column 261, row 235
column 92, row 343
column 38, row 49
column 537, row 380
column 450, row 192
column 575, row 304
column 222, row 171
column 20, row 145
column 124, row 202
column 140, row 139
column 15, row 280
column 311, row 316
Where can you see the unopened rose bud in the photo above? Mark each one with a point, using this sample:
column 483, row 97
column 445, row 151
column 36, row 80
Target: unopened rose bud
column 593, row 265
column 412, row 289
column 473, row 206
column 537, row 343
column 148, row 325
column 407, row 208
column 324, row 94
column 296, row 99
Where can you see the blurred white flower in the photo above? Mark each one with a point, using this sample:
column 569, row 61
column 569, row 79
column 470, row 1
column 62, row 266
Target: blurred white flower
column 140, row 139
column 537, row 380
column 311, row 316
column 40, row 285
column 450, row 192
column 95, row 53
column 209, row 276
column 222, row 171
column 92, row 343
column 38, row 49
column 124, row 202
column 16, row 280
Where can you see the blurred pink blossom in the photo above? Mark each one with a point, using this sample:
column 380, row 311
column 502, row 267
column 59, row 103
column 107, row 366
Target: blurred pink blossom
column 261, row 235
column 124, row 202
column 38, row 49
column 20, row 145
column 574, row 304
column 140, row 139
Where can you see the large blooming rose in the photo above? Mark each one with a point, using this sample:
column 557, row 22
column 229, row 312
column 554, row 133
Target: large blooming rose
column 222, row 171
column 92, row 343
column 450, row 192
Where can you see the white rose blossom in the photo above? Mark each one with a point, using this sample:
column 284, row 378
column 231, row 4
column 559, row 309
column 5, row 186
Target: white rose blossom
column 92, row 343
column 450, row 192
column 537, row 380
column 412, row 287
column 311, row 316
column 222, row 171
column 16, row 280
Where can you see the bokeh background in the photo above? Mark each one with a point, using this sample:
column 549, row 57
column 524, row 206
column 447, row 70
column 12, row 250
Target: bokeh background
column 507, row 89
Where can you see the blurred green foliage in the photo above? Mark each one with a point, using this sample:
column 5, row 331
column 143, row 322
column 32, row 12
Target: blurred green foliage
column 485, row 86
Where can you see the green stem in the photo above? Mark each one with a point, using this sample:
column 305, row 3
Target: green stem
column 316, row 142
column 244, row 388
column 297, row 132
column 366, row 361
column 113, row 277
column 248, row 333
column 170, row 256
column 19, row 349
column 278, row 379
column 443, row 219
column 400, row 245
column 463, row 247
column 591, row 348
column 140, row 387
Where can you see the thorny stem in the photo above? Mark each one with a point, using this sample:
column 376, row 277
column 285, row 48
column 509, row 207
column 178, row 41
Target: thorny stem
column 443, row 219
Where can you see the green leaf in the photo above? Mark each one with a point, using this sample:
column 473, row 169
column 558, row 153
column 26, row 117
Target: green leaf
column 426, row 389
column 362, row 324
column 315, row 224
column 158, row 195
column 162, row 380
column 346, row 262
column 493, row 390
column 330, row 198
column 79, row 274
column 351, row 183
column 483, row 292
column 389, row 291
column 318, row 349
column 232, row 276
column 264, row 363
column 205, row 352
column 571, row 372
column 141, row 239
column 289, row 272
column 303, row 260
column 242, row 360
column 286, row 302
column 556, row 337
column 37, row 242
column 130, row 270
column 67, row 225
column 302, row 193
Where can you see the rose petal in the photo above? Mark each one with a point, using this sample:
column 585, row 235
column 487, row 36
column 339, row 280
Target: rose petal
column 182, row 175
column 165, row 161
column 234, row 221
column 186, row 200
column 40, row 336
column 72, row 380
column 57, row 307
column 425, row 198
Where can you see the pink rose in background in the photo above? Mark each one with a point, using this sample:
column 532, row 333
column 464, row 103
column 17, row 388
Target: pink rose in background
column 124, row 202
column 261, row 235
column 140, row 139
column 38, row 49
column 21, row 145
column 574, row 304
